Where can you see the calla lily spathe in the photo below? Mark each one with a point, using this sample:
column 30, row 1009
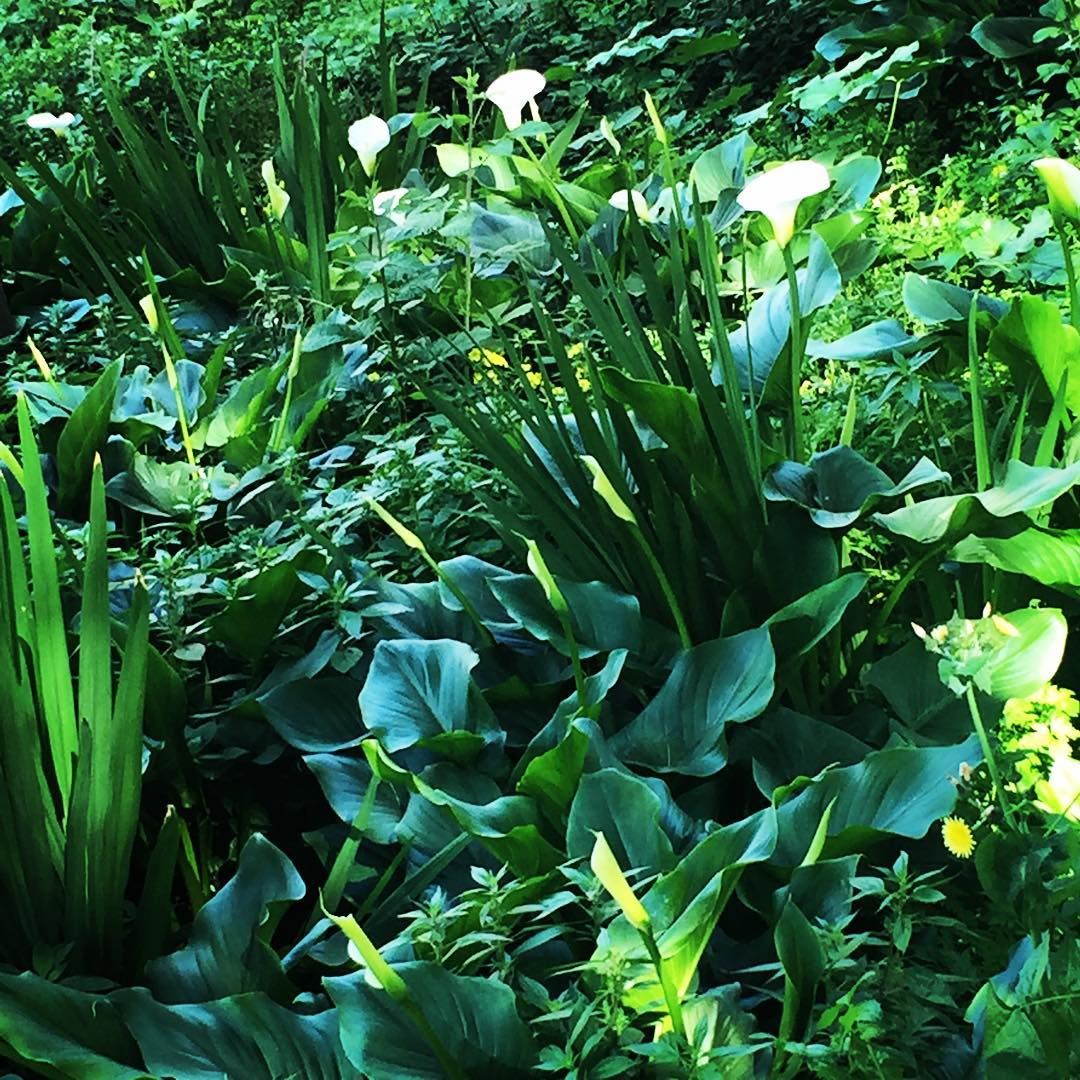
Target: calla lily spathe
column 622, row 200
column 778, row 193
column 368, row 137
column 47, row 121
column 1062, row 180
column 279, row 197
column 510, row 93
column 385, row 204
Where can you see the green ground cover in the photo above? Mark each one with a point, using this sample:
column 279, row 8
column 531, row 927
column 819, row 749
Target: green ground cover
column 539, row 539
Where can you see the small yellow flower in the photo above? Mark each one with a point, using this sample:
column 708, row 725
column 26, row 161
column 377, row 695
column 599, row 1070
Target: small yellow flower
column 489, row 357
column 957, row 837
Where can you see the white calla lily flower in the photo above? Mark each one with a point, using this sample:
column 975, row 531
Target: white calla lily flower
column 368, row 137
column 385, row 204
column 778, row 193
column 275, row 189
column 47, row 121
column 510, row 93
column 622, row 200
column 1062, row 180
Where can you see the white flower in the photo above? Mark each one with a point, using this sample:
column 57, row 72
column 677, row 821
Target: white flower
column 510, row 93
column 367, row 137
column 1062, row 181
column 622, row 200
column 47, row 121
column 279, row 197
column 385, row 204
column 778, row 192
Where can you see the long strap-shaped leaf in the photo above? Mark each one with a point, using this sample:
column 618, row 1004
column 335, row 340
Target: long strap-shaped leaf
column 48, row 635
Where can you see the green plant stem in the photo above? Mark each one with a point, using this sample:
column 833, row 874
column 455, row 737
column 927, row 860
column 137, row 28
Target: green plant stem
column 471, row 94
column 797, row 438
column 575, row 657
column 665, row 585
column 892, row 117
column 339, row 872
column 988, row 753
column 459, row 596
column 560, row 203
column 978, row 415
column 671, row 995
column 1070, row 271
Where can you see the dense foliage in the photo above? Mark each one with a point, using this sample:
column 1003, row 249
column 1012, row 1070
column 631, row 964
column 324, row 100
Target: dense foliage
column 539, row 539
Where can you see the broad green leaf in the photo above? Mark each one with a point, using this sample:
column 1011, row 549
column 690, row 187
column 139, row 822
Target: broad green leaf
column 839, row 485
column 1024, row 488
column 1025, row 663
column 507, row 825
column 344, row 780
column 903, row 790
column 721, row 168
column 475, row 1021
column 932, row 301
column 908, row 679
column 628, row 812
column 315, row 715
column 785, row 744
column 1034, row 336
column 422, row 693
column 1050, row 557
column 682, row 729
column 877, row 339
column 685, row 904
column 602, row 618
column 246, row 1035
column 1006, row 37
column 758, row 343
column 226, row 953
column 798, row 627
column 552, row 778
column 74, row 1034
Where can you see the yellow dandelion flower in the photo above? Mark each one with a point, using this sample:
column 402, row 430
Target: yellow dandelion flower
column 957, row 837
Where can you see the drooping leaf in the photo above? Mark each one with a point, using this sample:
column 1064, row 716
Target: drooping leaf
column 903, row 790
column 421, row 692
column 245, row 1035
column 839, row 485
column 81, row 1036
column 226, row 954
column 628, row 812
column 720, row 682
column 474, row 1019
column 1024, row 488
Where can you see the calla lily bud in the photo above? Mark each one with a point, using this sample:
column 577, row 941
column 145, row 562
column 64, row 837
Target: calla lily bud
column 510, row 93
column 385, row 204
column 47, row 121
column 407, row 536
column 363, row 949
column 608, row 872
column 606, row 490
column 279, row 197
column 609, row 134
column 1062, row 180
column 540, row 571
column 622, row 200
column 778, row 193
column 368, row 137
column 149, row 310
